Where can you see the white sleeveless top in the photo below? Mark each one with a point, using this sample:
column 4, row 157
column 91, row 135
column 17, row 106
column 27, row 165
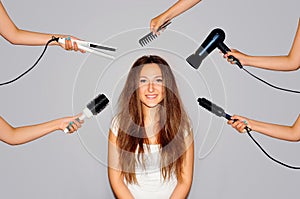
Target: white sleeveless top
column 151, row 184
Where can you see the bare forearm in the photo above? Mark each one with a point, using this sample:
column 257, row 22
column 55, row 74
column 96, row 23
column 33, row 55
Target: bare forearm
column 279, row 63
column 23, row 37
column 122, row 192
column 184, row 185
column 114, row 171
column 20, row 135
column 289, row 133
column 118, row 186
column 288, row 62
column 181, row 191
column 180, row 7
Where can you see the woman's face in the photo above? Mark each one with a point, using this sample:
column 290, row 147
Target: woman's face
column 151, row 88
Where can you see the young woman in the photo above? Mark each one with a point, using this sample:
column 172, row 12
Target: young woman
column 151, row 149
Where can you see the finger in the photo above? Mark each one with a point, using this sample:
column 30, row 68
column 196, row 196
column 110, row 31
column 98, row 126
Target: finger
column 241, row 127
column 152, row 26
column 68, row 128
column 242, row 130
column 82, row 51
column 156, row 28
column 234, row 124
column 75, row 127
column 237, row 117
column 77, row 123
column 71, row 129
column 229, row 58
column 75, row 46
column 69, row 45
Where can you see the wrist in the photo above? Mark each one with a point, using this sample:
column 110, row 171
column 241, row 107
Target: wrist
column 56, row 125
column 252, row 124
column 248, row 60
column 167, row 15
column 57, row 36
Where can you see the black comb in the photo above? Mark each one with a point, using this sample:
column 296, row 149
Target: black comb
column 150, row 36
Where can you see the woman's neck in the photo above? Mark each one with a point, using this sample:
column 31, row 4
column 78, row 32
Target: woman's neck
column 151, row 123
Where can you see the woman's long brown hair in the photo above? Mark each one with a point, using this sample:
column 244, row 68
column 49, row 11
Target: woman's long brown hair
column 174, row 123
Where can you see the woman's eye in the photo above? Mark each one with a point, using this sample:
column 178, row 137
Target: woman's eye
column 142, row 81
column 159, row 80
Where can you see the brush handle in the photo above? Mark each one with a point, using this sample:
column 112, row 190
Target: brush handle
column 86, row 113
column 67, row 129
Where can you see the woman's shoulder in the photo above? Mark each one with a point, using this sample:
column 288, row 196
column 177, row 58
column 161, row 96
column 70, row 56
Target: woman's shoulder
column 114, row 126
column 188, row 128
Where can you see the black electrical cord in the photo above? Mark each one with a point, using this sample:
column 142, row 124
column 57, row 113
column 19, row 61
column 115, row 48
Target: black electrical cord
column 13, row 80
column 237, row 62
column 273, row 86
column 277, row 161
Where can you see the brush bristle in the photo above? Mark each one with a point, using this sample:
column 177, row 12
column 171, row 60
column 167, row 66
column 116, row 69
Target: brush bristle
column 98, row 104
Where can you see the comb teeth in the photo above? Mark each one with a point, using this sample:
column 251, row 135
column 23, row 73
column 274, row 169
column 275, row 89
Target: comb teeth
column 147, row 39
column 150, row 36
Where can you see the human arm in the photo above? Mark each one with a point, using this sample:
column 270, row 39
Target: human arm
column 17, row 36
column 288, row 62
column 183, row 187
column 115, row 176
column 289, row 133
column 175, row 10
column 20, row 135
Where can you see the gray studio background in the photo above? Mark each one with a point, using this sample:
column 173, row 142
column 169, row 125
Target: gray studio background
column 227, row 164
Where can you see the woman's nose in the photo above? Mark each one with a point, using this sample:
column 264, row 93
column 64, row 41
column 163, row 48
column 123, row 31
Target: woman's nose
column 150, row 87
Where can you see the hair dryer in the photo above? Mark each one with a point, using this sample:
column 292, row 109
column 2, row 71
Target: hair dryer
column 213, row 40
column 92, row 108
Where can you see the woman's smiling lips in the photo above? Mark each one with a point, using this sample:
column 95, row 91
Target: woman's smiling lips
column 151, row 96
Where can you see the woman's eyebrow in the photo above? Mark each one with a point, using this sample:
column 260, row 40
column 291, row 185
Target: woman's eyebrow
column 154, row 76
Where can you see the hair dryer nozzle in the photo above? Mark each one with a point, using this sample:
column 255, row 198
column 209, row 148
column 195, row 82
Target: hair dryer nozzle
column 194, row 60
column 213, row 40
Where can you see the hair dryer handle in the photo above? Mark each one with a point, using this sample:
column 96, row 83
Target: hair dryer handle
column 224, row 49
